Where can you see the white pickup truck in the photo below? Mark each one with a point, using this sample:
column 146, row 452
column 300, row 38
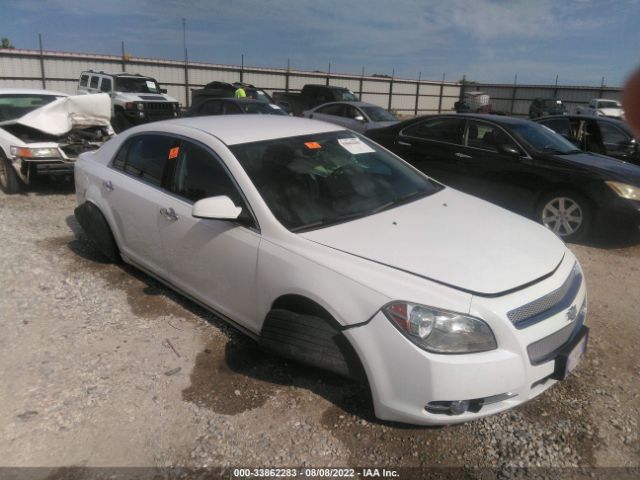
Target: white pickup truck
column 602, row 107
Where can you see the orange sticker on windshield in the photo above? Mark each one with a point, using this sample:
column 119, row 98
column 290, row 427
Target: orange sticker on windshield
column 174, row 152
column 312, row 145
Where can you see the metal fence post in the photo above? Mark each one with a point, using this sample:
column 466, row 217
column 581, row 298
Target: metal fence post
column 513, row 96
column 242, row 68
column 124, row 58
column 328, row 73
column 286, row 80
column 415, row 109
column 44, row 82
column 361, row 81
column 441, row 93
column 393, row 74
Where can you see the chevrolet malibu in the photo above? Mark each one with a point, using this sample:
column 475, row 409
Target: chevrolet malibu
column 329, row 250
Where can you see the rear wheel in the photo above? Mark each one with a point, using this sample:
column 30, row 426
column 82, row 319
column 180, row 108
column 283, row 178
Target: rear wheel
column 567, row 214
column 9, row 180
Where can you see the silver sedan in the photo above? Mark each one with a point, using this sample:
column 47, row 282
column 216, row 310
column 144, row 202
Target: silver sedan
column 357, row 116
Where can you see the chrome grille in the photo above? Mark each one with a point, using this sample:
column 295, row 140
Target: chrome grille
column 543, row 304
column 545, row 348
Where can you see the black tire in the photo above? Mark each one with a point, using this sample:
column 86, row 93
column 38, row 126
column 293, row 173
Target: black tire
column 310, row 340
column 97, row 229
column 119, row 122
column 9, row 180
column 567, row 214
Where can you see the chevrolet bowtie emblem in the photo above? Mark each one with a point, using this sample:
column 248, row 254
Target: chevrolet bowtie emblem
column 572, row 313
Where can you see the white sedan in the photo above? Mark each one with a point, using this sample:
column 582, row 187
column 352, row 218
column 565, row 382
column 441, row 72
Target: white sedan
column 329, row 250
column 42, row 132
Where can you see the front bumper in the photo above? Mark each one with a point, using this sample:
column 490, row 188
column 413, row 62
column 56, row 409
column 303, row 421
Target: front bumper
column 404, row 379
column 618, row 214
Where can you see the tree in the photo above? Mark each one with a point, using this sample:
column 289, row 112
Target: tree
column 6, row 43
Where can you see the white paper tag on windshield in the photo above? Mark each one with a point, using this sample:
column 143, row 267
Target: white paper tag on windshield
column 151, row 85
column 275, row 107
column 355, row 146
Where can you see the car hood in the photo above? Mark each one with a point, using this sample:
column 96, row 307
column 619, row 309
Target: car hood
column 607, row 166
column 65, row 114
column 453, row 239
column 612, row 112
column 144, row 97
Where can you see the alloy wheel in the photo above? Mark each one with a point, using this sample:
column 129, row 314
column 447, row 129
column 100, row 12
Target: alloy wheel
column 563, row 216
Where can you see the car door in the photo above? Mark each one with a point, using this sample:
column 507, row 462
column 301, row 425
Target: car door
column 616, row 142
column 214, row 261
column 432, row 146
column 489, row 172
column 133, row 194
column 333, row 113
column 354, row 118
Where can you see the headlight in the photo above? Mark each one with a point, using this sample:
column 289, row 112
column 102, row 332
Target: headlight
column 41, row 152
column 623, row 190
column 440, row 331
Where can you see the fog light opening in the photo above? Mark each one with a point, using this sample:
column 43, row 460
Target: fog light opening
column 458, row 407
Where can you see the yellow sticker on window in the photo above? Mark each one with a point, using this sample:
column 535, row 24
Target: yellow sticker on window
column 312, row 145
column 174, row 152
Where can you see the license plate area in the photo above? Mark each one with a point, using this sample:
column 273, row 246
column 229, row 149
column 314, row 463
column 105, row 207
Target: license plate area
column 570, row 356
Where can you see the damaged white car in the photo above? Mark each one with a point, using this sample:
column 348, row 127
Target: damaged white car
column 42, row 133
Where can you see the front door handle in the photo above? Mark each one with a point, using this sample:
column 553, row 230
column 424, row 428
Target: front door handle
column 463, row 155
column 108, row 185
column 169, row 214
column 404, row 144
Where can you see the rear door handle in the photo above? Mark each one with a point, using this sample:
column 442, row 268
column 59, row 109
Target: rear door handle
column 169, row 214
column 108, row 185
column 463, row 155
column 404, row 144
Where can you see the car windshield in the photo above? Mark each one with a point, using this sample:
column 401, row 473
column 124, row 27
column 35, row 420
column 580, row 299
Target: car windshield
column 608, row 104
column 267, row 108
column 314, row 181
column 543, row 139
column 16, row 105
column 260, row 95
column 377, row 114
column 346, row 96
column 137, row 85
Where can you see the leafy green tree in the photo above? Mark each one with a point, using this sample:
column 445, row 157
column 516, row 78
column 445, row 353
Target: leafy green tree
column 6, row 43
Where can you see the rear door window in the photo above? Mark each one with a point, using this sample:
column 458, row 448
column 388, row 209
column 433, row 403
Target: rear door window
column 336, row 109
column 448, row 130
column 94, row 82
column 84, row 79
column 146, row 157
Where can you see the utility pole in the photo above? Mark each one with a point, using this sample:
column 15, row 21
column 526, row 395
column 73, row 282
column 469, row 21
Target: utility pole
column 186, row 63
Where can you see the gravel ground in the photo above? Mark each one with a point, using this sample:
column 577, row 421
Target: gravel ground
column 103, row 366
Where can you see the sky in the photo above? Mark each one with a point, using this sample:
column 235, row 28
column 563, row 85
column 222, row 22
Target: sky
column 580, row 41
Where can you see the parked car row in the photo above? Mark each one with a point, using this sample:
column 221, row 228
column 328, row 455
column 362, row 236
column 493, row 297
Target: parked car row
column 331, row 250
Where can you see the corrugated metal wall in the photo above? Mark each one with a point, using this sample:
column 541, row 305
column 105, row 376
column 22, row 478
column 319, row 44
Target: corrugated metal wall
column 516, row 99
column 60, row 71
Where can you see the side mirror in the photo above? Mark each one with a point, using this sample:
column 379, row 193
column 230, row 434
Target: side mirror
column 508, row 150
column 359, row 118
column 216, row 208
column 163, row 90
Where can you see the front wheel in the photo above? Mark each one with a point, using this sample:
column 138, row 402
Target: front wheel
column 9, row 180
column 567, row 214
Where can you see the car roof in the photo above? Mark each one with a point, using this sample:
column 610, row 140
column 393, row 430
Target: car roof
column 34, row 91
column 582, row 117
column 346, row 102
column 235, row 129
column 503, row 119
